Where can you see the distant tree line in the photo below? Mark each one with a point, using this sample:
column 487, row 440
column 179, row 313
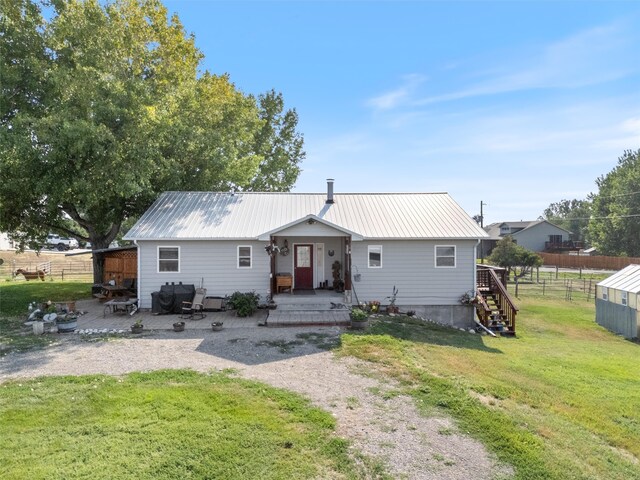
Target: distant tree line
column 609, row 219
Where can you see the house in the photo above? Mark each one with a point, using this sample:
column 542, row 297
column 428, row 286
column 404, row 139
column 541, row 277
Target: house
column 424, row 244
column 538, row 236
column 618, row 302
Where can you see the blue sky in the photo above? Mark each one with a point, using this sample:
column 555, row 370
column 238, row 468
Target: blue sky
column 518, row 104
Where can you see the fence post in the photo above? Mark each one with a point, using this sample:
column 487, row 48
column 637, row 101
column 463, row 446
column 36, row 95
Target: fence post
column 537, row 274
column 580, row 274
column 517, row 287
column 556, row 272
column 544, row 284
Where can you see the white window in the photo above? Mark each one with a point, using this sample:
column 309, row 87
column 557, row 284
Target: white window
column 445, row 256
column 605, row 293
column 244, row 256
column 624, row 298
column 168, row 259
column 375, row 256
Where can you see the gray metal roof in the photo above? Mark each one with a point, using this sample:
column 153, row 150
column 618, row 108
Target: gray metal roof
column 627, row 279
column 493, row 229
column 215, row 215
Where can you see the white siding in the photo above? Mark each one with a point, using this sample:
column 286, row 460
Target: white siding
column 409, row 265
column 213, row 262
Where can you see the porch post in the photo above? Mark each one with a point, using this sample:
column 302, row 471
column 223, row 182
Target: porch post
column 272, row 277
column 347, row 263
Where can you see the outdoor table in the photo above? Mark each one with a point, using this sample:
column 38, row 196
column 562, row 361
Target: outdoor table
column 122, row 305
column 111, row 292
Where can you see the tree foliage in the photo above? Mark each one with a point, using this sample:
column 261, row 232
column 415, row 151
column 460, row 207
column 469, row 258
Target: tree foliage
column 572, row 215
column 615, row 226
column 507, row 254
column 103, row 106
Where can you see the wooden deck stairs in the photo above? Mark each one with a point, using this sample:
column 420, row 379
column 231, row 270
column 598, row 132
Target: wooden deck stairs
column 495, row 309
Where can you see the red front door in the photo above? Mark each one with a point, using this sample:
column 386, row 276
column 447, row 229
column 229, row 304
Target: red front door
column 303, row 266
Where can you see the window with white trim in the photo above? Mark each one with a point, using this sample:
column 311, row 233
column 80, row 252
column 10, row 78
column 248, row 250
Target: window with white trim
column 605, row 293
column 375, row 256
column 445, row 256
column 244, row 256
column 624, row 298
column 168, row 259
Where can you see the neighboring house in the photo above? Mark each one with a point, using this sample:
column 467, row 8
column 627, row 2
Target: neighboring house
column 538, row 236
column 424, row 244
column 618, row 302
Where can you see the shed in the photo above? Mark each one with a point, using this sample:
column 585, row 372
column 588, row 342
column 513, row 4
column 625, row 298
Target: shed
column 118, row 263
column 617, row 302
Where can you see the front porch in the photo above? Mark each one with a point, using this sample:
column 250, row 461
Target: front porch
column 310, row 307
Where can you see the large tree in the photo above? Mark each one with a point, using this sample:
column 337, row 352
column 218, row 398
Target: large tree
column 572, row 215
column 615, row 226
column 103, row 106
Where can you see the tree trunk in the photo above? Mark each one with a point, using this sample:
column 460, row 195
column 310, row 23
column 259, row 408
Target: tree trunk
column 98, row 258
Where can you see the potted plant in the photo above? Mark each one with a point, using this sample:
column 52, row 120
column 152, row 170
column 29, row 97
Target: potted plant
column 137, row 327
column 216, row 326
column 178, row 327
column 374, row 306
column 67, row 323
column 392, row 307
column 359, row 319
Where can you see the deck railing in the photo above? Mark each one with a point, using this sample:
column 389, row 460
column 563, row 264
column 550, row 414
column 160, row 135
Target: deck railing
column 493, row 283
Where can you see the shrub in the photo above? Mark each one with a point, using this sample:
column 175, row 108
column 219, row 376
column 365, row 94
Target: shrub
column 358, row 315
column 245, row 304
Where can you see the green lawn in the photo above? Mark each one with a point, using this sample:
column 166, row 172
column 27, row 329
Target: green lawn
column 562, row 400
column 16, row 296
column 165, row 425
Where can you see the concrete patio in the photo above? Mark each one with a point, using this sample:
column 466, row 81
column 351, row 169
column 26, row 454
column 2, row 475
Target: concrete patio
column 323, row 308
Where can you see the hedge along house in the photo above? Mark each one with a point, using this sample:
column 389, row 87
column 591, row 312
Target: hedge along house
column 424, row 244
column 618, row 302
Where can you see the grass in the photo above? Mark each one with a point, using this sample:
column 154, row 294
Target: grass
column 14, row 301
column 16, row 296
column 166, row 425
column 559, row 401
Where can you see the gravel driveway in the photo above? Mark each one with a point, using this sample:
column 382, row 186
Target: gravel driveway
column 387, row 427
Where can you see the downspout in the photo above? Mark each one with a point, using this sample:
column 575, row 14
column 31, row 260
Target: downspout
column 135, row 242
column 475, row 266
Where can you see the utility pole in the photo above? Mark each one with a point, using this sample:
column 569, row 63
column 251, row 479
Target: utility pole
column 482, row 204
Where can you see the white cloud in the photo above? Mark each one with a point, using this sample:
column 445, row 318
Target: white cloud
column 591, row 57
column 400, row 95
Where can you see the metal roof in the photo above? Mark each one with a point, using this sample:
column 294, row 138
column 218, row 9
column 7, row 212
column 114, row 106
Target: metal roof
column 627, row 279
column 216, row 215
column 493, row 229
column 102, row 250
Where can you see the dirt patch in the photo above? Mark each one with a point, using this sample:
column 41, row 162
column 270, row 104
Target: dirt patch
column 380, row 421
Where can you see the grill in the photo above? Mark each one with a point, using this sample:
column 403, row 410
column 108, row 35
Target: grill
column 170, row 297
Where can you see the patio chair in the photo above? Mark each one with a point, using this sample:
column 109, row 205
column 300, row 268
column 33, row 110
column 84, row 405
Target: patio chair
column 130, row 285
column 196, row 306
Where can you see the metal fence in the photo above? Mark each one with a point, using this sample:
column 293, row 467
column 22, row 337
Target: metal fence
column 62, row 269
column 570, row 286
column 564, row 289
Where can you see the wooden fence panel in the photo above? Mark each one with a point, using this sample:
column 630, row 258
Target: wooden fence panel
column 599, row 262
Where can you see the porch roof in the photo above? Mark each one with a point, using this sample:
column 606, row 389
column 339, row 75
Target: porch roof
column 310, row 218
column 232, row 216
